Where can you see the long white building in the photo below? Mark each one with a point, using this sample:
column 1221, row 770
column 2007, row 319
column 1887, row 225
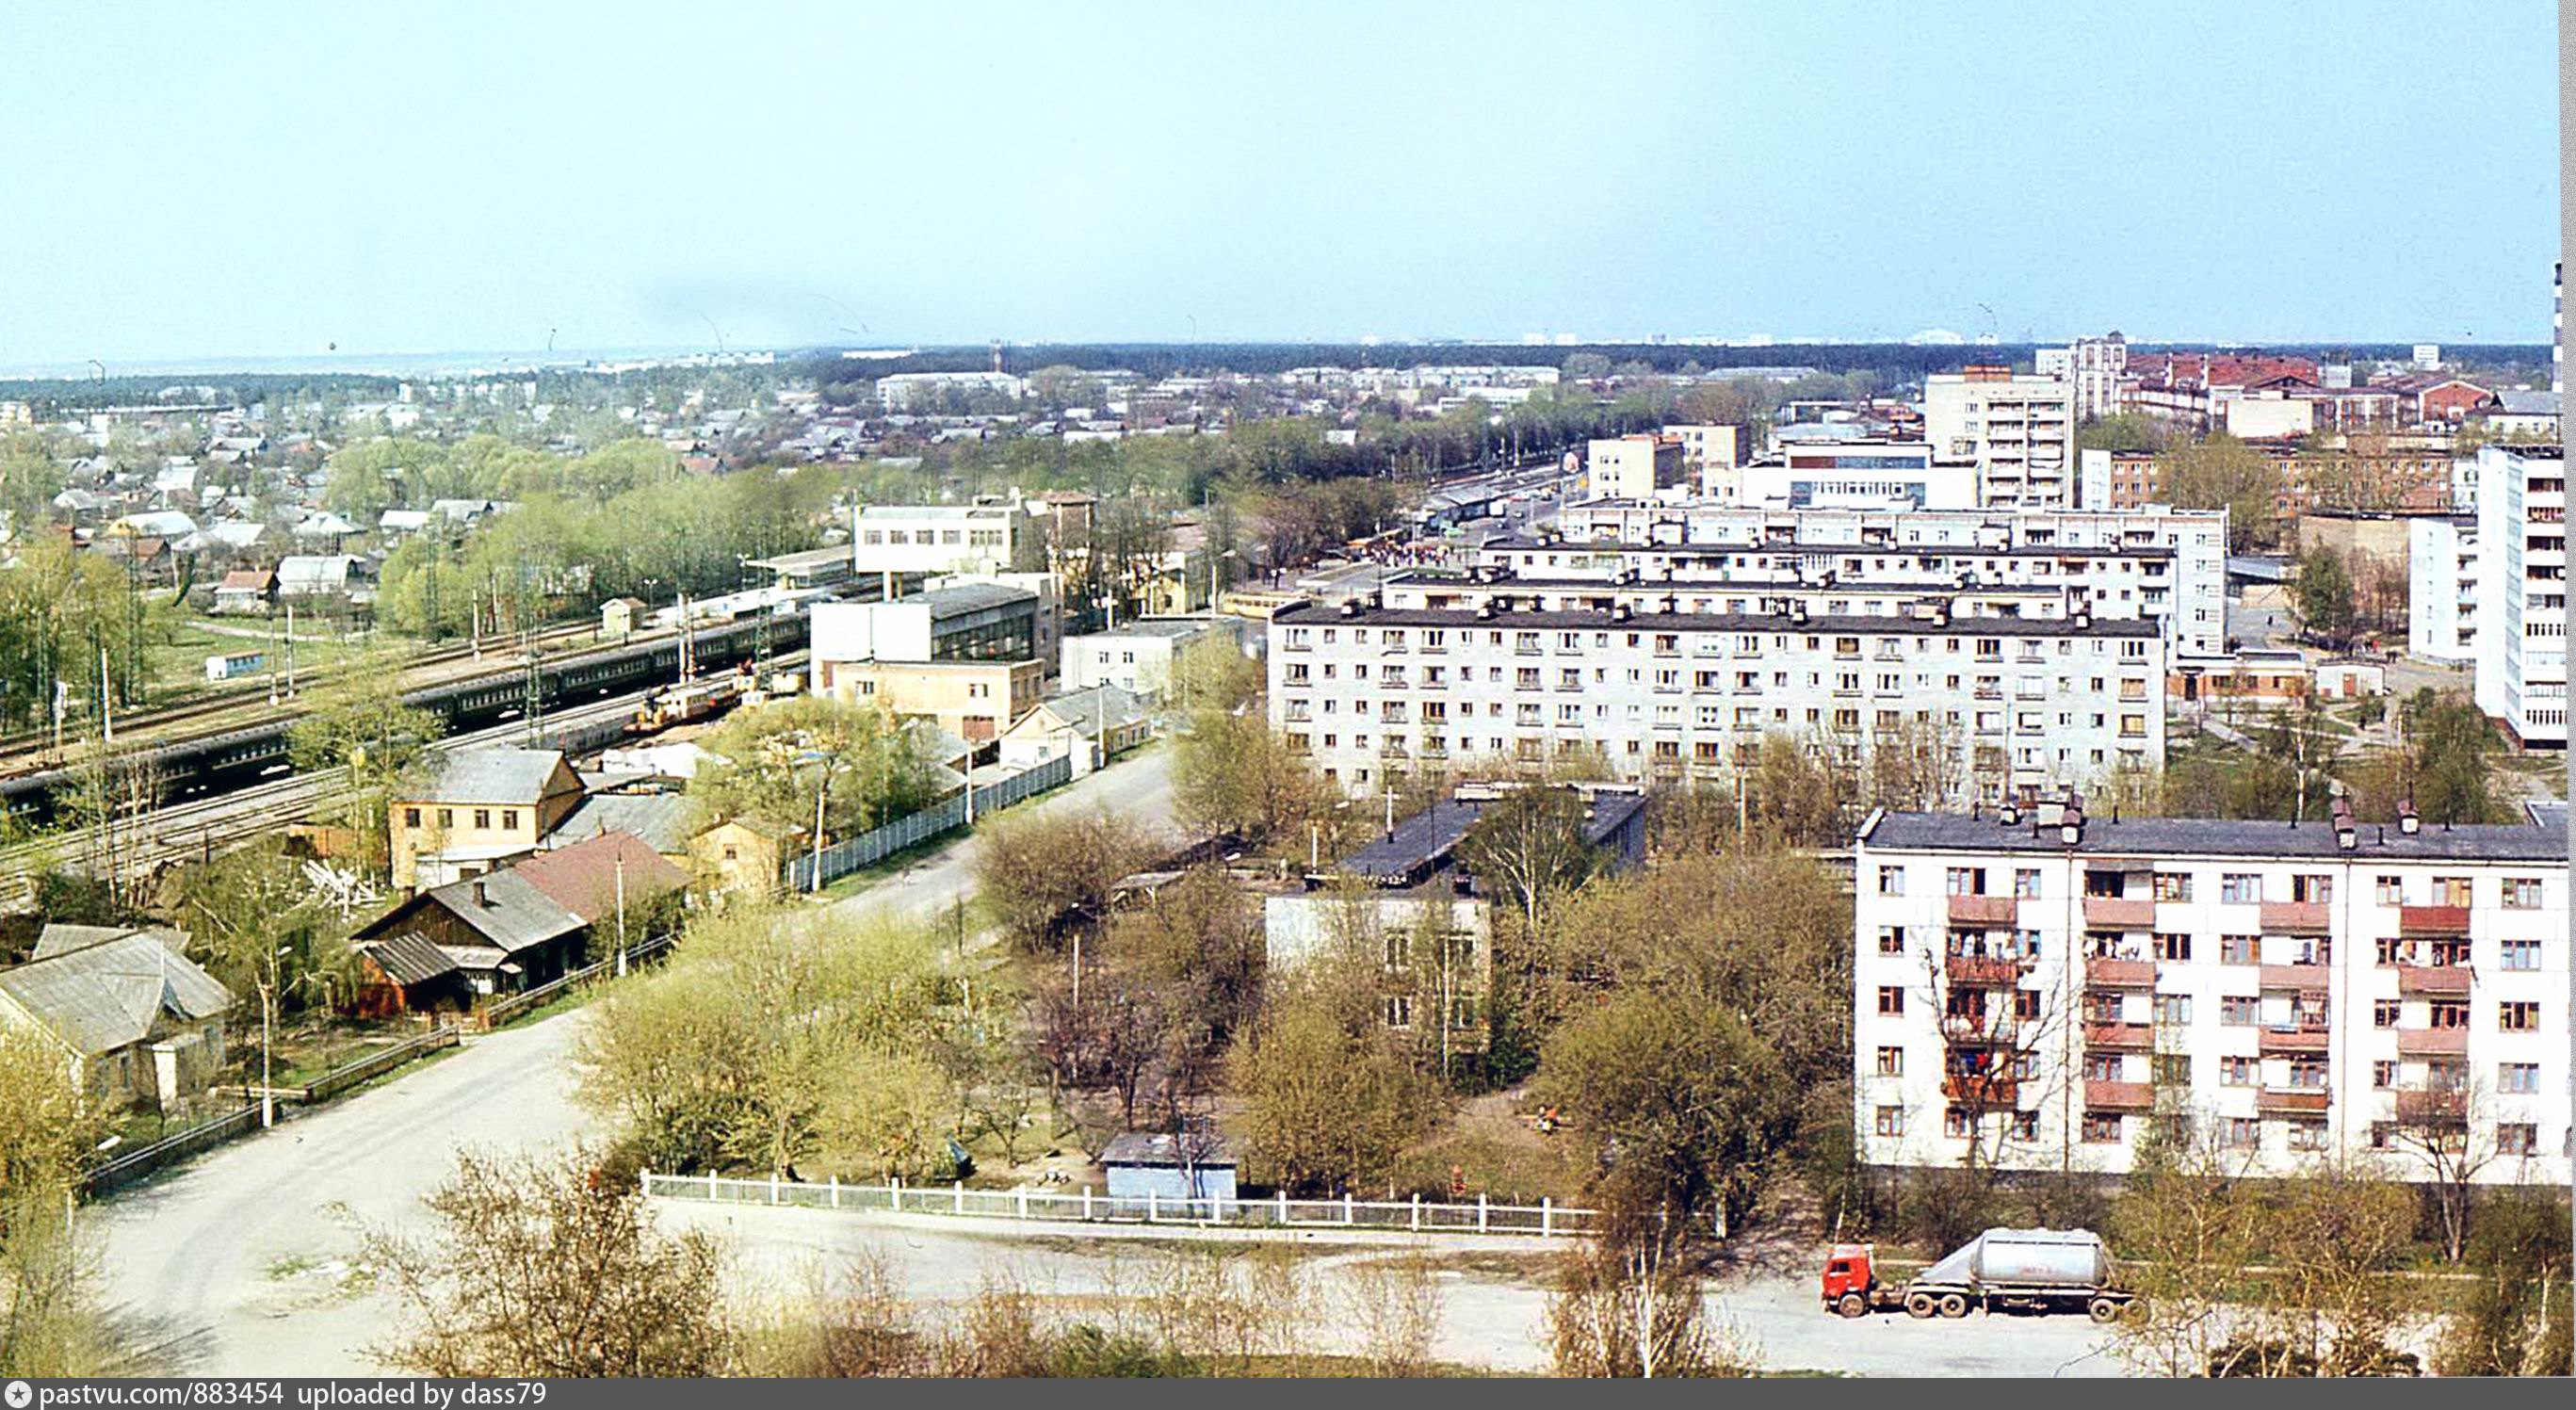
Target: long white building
column 2522, row 591
column 1668, row 680
column 2165, row 565
column 2289, row 994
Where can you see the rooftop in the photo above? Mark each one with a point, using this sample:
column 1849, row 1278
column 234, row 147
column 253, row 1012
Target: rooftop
column 1163, row 1148
column 496, row 775
column 2215, row 837
column 1424, row 841
column 1310, row 613
column 100, row 997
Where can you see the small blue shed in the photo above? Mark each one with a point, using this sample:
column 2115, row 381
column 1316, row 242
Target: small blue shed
column 1192, row 1173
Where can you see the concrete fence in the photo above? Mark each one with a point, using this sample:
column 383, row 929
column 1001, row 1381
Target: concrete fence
column 948, row 814
column 1545, row 1219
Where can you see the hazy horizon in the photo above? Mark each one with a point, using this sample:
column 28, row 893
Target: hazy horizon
column 319, row 184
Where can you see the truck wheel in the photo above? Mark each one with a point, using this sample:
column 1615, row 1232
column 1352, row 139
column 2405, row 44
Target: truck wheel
column 1954, row 1304
column 1919, row 1304
column 1852, row 1305
column 2103, row 1309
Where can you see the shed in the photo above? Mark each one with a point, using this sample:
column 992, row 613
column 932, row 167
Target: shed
column 1156, row 1167
column 617, row 616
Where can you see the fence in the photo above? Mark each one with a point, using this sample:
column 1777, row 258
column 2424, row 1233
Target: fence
column 1545, row 1219
column 143, row 1160
column 868, row 848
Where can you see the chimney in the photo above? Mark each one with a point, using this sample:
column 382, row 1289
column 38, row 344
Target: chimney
column 482, row 897
column 2407, row 822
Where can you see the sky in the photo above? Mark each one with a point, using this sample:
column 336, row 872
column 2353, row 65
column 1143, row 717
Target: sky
column 283, row 180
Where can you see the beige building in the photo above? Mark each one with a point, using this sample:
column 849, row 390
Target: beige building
column 138, row 1023
column 973, row 700
column 483, row 807
column 746, row 854
column 2018, row 431
column 1634, row 467
column 1712, row 455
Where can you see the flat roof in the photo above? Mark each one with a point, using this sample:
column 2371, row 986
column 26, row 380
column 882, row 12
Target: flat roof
column 1306, row 613
column 1428, row 837
column 2217, row 837
column 1704, row 549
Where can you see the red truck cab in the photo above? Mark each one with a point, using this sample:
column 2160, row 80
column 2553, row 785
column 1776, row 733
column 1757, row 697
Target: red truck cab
column 1850, row 1280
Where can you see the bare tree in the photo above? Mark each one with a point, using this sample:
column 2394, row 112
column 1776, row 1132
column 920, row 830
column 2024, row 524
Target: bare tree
column 2438, row 1128
column 1395, row 1309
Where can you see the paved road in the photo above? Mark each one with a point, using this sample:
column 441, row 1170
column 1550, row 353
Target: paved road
column 233, row 1265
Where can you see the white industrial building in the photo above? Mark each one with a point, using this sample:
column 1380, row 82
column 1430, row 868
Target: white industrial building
column 938, row 538
column 2045, row 985
column 2522, row 591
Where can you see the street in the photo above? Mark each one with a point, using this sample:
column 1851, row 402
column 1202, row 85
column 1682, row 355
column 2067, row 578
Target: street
column 235, row 1264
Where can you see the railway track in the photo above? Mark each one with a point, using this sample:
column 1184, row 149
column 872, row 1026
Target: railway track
column 247, row 706
column 203, row 826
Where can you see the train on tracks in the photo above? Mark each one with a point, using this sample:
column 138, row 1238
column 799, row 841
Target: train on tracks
column 220, row 760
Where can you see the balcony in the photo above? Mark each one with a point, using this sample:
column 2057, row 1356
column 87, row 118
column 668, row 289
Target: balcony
column 2418, row 1106
column 2120, row 974
column 1980, row 1030
column 2292, row 1099
column 2432, row 1042
column 2121, row 1037
column 2437, row 981
column 1987, row 1089
column 2297, row 918
column 2433, row 921
column 1984, row 910
column 2120, row 912
column 2118, row 1096
column 2305, row 978
column 1980, row 969
column 2294, row 1039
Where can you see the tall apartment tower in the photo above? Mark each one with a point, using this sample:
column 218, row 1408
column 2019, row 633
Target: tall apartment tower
column 2018, row 431
column 2522, row 591
column 2092, row 369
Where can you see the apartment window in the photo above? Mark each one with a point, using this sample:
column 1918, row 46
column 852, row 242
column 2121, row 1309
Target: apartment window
column 2173, row 886
column 2522, row 893
column 2312, row 890
column 2383, row 1075
column 2101, row 1127
column 411, row 817
column 2025, row 1126
column 510, row 818
column 2517, row 1138
column 1891, row 939
column 1890, row 1121
column 2238, row 1072
column 1399, row 1010
column 2240, row 1010
column 1955, row 1124
column 2518, row 1077
column 2240, row 1133
column 1891, row 1062
column 2173, row 947
column 2451, row 891
column 2240, row 888
column 2025, row 1003
column 2307, row 1135
column 2101, row 1067
column 2170, row 1069
column 1967, row 881
column 1891, row 999
column 2240, row 949
column 2450, row 1013
column 2384, row 1013
column 2522, row 954
column 1891, row 881
column 2518, row 1016
column 2173, row 1008
column 2392, row 891
column 482, row 819
column 447, row 817
column 2026, row 882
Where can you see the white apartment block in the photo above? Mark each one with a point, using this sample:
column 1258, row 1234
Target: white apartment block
column 1633, row 467
column 2166, row 565
column 1712, row 454
column 901, row 391
column 2018, row 431
column 938, row 538
column 2092, row 368
column 2286, row 994
column 1834, row 473
column 1668, row 680
column 2442, row 589
column 2522, row 591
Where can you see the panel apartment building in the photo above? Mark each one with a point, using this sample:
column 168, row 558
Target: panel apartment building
column 1642, row 680
column 2018, row 431
column 2046, row 984
column 2166, row 565
column 2521, row 607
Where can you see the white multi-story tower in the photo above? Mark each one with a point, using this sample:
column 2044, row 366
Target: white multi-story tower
column 2018, row 431
column 2045, row 986
column 2522, row 591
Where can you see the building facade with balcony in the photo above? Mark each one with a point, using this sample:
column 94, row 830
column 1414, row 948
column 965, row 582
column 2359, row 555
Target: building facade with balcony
column 2018, row 431
column 2522, row 591
column 2442, row 589
column 2167, row 565
column 2047, row 986
column 1444, row 670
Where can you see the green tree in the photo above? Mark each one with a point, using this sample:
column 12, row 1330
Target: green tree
column 2323, row 591
column 358, row 721
column 50, row 1324
column 1326, row 1098
column 864, row 766
column 1531, row 845
column 2223, row 472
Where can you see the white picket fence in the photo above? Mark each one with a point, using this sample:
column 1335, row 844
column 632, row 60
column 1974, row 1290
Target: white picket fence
column 1546, row 1219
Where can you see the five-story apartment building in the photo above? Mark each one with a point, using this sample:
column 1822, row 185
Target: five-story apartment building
column 2044, row 985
